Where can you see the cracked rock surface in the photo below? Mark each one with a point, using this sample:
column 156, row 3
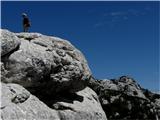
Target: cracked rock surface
column 125, row 99
column 17, row 104
column 85, row 106
column 47, row 78
column 42, row 62
column 44, row 78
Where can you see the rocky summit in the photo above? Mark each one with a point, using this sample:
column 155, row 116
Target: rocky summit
column 47, row 78
column 44, row 78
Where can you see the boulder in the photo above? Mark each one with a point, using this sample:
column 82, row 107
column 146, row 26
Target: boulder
column 17, row 103
column 9, row 42
column 43, row 62
column 85, row 106
column 45, row 78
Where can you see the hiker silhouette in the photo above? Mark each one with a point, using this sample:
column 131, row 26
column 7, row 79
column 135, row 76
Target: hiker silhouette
column 26, row 22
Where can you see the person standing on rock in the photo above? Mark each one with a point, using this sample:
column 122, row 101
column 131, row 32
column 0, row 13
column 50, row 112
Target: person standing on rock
column 26, row 22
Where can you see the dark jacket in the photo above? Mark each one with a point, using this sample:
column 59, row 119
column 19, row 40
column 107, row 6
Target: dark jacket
column 26, row 22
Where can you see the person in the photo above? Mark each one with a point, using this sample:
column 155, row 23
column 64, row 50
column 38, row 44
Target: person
column 26, row 22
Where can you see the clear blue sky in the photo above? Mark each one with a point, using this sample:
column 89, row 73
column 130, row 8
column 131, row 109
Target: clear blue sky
column 117, row 38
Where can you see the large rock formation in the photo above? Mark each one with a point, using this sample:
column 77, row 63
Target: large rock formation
column 47, row 78
column 124, row 99
column 35, row 61
column 44, row 78
column 18, row 103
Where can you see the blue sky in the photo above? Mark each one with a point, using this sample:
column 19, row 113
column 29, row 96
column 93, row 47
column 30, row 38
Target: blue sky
column 117, row 38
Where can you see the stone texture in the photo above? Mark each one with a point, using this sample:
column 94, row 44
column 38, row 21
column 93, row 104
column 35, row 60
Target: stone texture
column 43, row 62
column 9, row 42
column 44, row 78
column 17, row 103
column 85, row 106
column 124, row 99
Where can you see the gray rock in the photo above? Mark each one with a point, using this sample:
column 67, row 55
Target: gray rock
column 9, row 42
column 157, row 107
column 51, row 69
column 17, row 104
column 86, row 106
column 43, row 63
column 126, row 85
column 122, row 98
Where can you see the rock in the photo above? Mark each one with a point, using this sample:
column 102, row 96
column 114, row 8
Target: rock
column 157, row 107
column 45, row 78
column 17, row 104
column 85, row 106
column 122, row 98
column 154, row 99
column 9, row 42
column 43, row 63
column 126, row 85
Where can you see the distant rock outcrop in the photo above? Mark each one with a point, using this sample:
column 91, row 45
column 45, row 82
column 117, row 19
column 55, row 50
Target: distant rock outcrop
column 44, row 78
column 124, row 99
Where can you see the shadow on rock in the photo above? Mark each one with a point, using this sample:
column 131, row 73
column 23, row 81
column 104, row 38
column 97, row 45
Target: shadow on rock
column 63, row 96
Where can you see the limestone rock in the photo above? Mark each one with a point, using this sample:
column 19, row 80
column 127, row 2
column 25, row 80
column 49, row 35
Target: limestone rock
column 126, row 85
column 85, row 106
column 125, row 99
column 43, row 62
column 17, row 104
column 45, row 78
column 9, row 42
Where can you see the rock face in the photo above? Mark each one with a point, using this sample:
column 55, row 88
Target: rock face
column 47, row 78
column 42, row 61
column 124, row 99
column 44, row 78
column 85, row 106
column 18, row 103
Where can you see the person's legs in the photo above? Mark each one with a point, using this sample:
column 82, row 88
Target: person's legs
column 25, row 28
